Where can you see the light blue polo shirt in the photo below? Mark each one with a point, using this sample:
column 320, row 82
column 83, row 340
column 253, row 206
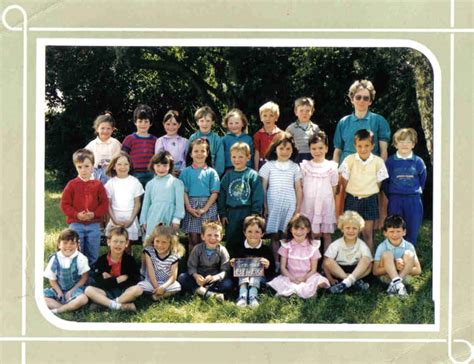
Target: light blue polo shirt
column 397, row 251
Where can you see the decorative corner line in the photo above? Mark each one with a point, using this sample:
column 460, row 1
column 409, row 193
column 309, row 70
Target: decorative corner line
column 468, row 344
column 23, row 13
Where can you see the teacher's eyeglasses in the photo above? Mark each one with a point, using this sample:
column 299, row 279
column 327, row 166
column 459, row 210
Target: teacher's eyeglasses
column 360, row 97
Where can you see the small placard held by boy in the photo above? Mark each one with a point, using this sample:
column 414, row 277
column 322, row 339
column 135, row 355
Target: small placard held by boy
column 248, row 267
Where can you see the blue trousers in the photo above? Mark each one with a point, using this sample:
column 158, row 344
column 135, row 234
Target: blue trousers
column 89, row 239
column 188, row 283
column 410, row 207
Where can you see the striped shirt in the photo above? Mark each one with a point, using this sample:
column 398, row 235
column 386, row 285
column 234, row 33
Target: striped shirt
column 161, row 267
column 302, row 133
column 140, row 149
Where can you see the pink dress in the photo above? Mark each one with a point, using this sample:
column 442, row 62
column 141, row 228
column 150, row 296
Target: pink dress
column 318, row 199
column 298, row 263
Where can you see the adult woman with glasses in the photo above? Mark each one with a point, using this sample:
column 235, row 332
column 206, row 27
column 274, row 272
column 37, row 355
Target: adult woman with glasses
column 361, row 94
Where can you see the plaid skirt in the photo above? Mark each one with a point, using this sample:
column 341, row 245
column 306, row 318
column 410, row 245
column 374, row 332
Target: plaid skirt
column 193, row 224
column 367, row 207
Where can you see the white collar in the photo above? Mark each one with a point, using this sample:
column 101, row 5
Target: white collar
column 247, row 245
column 371, row 157
column 410, row 156
column 98, row 141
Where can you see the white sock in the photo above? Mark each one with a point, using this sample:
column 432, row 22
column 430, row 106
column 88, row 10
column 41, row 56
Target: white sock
column 396, row 279
column 349, row 281
column 54, row 310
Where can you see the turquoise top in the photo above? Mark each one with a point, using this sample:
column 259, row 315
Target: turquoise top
column 229, row 140
column 200, row 182
column 348, row 125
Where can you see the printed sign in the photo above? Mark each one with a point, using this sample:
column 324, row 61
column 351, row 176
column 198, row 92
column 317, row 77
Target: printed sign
column 248, row 267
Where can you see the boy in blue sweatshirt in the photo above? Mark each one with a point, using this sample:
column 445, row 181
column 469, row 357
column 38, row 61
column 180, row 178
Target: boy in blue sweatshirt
column 407, row 177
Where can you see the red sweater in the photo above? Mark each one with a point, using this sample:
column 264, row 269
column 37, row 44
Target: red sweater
column 84, row 196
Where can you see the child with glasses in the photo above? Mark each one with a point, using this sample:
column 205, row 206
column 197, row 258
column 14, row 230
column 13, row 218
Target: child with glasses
column 406, row 182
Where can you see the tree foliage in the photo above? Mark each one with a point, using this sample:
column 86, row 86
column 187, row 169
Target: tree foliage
column 82, row 82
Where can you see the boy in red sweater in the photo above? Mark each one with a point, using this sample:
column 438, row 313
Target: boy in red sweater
column 84, row 201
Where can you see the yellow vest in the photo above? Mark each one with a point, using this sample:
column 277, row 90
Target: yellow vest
column 363, row 176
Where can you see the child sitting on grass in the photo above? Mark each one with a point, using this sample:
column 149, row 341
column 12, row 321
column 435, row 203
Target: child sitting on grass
column 208, row 265
column 299, row 262
column 348, row 258
column 162, row 253
column 67, row 271
column 395, row 259
column 114, row 273
column 253, row 247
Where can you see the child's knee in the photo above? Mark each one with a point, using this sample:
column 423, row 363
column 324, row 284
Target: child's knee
column 408, row 255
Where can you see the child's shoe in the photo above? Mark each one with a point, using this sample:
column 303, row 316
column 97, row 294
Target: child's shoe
column 397, row 288
column 128, row 307
column 253, row 302
column 219, row 297
column 241, row 302
column 338, row 288
column 361, row 285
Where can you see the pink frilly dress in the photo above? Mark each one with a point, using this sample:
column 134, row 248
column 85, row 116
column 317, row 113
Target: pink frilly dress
column 318, row 201
column 299, row 257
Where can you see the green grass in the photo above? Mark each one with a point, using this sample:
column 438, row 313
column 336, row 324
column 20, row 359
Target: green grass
column 371, row 307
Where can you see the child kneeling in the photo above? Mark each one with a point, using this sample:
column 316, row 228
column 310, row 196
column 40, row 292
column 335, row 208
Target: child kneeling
column 348, row 258
column 395, row 259
column 253, row 247
column 208, row 265
column 114, row 274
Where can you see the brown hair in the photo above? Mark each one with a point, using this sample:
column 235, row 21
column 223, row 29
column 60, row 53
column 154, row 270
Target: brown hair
column 299, row 221
column 66, row 235
column 235, row 113
column 106, row 117
column 81, row 155
column 110, row 171
column 281, row 138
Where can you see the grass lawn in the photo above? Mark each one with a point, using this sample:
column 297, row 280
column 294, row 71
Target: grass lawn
column 373, row 306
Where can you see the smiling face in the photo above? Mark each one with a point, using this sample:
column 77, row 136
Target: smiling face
column 318, row 151
column 350, row 232
column 304, row 113
column 300, row 233
column 171, row 127
column 199, row 154
column 405, row 147
column 161, row 170
column 122, row 167
column 239, row 160
column 253, row 234
column 394, row 235
column 117, row 245
column 205, row 123
column 364, row 148
column 143, row 125
column 268, row 118
column 361, row 100
column 212, row 238
column 68, row 247
column 162, row 245
column 84, row 169
column 104, row 131
column 235, row 125
column 284, row 151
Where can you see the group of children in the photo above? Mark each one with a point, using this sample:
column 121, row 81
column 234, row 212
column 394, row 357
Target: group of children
column 151, row 187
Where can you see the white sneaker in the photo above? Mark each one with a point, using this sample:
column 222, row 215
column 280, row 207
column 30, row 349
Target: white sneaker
column 253, row 302
column 241, row 302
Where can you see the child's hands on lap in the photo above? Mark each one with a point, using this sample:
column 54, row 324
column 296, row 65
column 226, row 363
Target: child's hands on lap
column 106, row 275
column 160, row 291
column 265, row 263
column 399, row 264
column 200, row 280
column 122, row 278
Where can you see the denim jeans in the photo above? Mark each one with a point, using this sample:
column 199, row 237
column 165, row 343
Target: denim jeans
column 89, row 239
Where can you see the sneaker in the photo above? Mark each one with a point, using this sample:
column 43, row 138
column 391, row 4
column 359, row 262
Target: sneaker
column 128, row 307
column 338, row 288
column 219, row 297
column 361, row 285
column 253, row 302
column 242, row 302
column 397, row 288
